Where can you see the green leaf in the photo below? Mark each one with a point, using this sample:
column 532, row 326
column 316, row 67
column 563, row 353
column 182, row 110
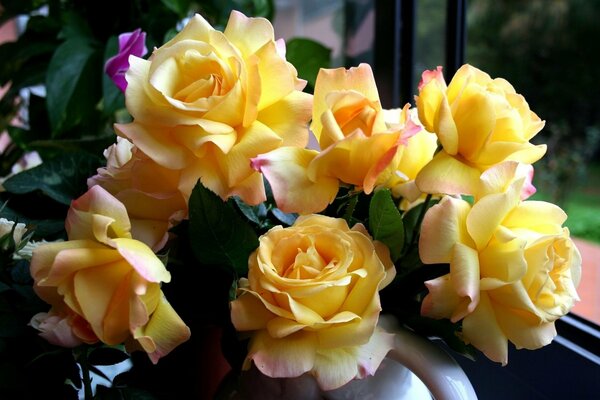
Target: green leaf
column 20, row 272
column 179, row 7
column 256, row 214
column 385, row 222
column 218, row 234
column 24, row 61
column 286, row 218
column 71, row 84
column 43, row 229
column 411, row 220
column 74, row 27
column 112, row 97
column 62, row 178
column 308, row 57
column 106, row 355
column 263, row 8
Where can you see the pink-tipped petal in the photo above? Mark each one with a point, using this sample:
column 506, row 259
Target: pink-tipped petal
column 286, row 170
column 143, row 260
column 165, row 331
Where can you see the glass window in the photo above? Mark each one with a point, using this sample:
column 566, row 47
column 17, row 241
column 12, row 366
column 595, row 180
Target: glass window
column 549, row 52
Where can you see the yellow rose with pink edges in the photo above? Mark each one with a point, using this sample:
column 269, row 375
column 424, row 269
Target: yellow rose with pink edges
column 514, row 269
column 357, row 146
column 104, row 284
column 311, row 302
column 206, row 102
column 149, row 191
column 480, row 122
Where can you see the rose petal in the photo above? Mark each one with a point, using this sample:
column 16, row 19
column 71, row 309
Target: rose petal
column 445, row 174
column 443, row 226
column 286, row 170
column 481, row 329
column 249, row 313
column 522, row 332
column 464, row 272
column 287, row 117
column 143, row 260
column 94, row 289
column 489, row 212
column 282, row 358
column 163, row 333
column 442, row 299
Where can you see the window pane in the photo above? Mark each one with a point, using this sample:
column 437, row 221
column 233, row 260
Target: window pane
column 549, row 51
column 430, row 36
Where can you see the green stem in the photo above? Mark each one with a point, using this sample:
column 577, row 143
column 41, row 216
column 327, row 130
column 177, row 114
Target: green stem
column 85, row 374
column 350, row 207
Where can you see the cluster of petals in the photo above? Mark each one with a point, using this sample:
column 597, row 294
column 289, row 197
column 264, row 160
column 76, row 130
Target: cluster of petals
column 149, row 192
column 514, row 269
column 358, row 146
column 480, row 122
column 102, row 284
column 311, row 301
column 207, row 101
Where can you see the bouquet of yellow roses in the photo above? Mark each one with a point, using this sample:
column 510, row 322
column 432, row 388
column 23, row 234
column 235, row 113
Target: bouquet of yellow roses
column 215, row 212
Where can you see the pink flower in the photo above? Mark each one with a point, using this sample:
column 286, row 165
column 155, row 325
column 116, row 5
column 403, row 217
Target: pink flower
column 130, row 43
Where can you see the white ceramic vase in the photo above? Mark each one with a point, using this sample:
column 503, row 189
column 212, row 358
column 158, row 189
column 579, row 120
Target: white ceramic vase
column 415, row 369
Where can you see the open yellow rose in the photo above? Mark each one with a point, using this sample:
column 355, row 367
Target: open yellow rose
column 358, row 147
column 208, row 101
column 148, row 190
column 513, row 267
column 480, row 122
column 311, row 301
column 110, row 281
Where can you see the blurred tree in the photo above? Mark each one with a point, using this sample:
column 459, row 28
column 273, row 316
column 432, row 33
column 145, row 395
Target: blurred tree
column 549, row 51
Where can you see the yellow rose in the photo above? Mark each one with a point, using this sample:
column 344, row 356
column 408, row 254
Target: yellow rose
column 107, row 279
column 312, row 302
column 513, row 268
column 208, row 101
column 480, row 122
column 411, row 158
column 148, row 190
column 358, row 147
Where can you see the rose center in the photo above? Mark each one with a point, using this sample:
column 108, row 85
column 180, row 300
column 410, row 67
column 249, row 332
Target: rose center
column 200, row 77
column 308, row 264
column 351, row 118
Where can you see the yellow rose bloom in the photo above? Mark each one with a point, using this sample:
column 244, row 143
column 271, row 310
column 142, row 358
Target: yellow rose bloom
column 480, row 122
column 357, row 146
column 149, row 191
column 207, row 101
column 513, row 268
column 106, row 284
column 311, row 301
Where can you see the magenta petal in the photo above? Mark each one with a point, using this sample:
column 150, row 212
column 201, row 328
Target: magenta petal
column 130, row 43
